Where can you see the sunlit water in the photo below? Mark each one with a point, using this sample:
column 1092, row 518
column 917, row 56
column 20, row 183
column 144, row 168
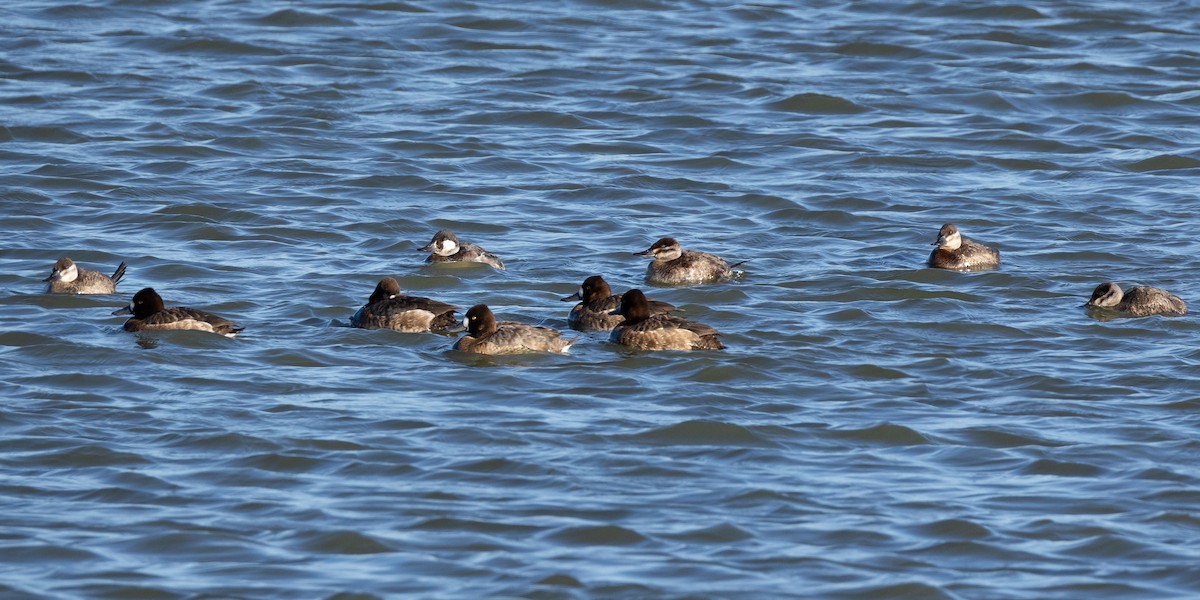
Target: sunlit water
column 875, row 429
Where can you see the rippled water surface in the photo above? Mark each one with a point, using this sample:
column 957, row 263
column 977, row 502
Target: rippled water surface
column 875, row 429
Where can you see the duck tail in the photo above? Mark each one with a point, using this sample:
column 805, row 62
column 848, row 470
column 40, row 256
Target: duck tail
column 119, row 273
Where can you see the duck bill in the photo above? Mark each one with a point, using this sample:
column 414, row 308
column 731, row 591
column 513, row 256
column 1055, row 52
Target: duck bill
column 573, row 298
column 426, row 248
column 643, row 253
column 52, row 277
column 124, row 310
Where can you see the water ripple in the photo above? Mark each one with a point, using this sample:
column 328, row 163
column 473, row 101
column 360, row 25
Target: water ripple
column 875, row 429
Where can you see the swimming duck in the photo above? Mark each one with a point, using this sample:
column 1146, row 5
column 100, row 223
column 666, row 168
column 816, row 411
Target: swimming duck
column 445, row 247
column 675, row 266
column 959, row 253
column 645, row 331
column 486, row 336
column 66, row 278
column 597, row 302
column 149, row 314
column 1138, row 301
column 387, row 308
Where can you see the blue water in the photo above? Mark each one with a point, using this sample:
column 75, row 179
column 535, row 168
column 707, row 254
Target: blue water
column 875, row 429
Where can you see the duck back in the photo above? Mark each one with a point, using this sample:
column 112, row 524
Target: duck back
column 970, row 256
column 667, row 332
column 691, row 267
column 411, row 314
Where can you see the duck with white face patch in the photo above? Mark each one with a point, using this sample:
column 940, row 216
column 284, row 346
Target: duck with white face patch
column 672, row 265
column 1137, row 301
column 957, row 252
column 67, row 278
column 446, row 248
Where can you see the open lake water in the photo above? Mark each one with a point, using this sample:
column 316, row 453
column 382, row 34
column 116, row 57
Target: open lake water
column 875, row 429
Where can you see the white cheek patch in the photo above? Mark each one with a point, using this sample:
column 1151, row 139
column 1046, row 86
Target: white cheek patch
column 69, row 274
column 466, row 322
column 447, row 247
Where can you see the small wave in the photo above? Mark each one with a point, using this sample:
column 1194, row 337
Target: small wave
column 913, row 590
column 538, row 118
column 1164, row 162
column 890, row 51
column 489, row 24
column 599, row 535
column 460, row 524
column 998, row 12
column 955, row 529
column 817, row 104
column 42, row 553
column 702, row 433
column 49, row 135
column 298, row 18
column 720, row 533
column 343, row 542
column 1060, row 468
column 1099, row 101
column 889, row 434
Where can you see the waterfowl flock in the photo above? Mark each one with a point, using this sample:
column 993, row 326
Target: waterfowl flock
column 632, row 319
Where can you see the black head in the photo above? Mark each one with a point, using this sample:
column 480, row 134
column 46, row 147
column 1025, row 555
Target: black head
column 388, row 287
column 479, row 321
column 634, row 306
column 145, row 303
column 595, row 288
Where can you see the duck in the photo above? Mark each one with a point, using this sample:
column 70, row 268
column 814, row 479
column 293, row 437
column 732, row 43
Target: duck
column 673, row 265
column 67, row 278
column 645, row 331
column 445, row 248
column 149, row 314
column 486, row 336
column 1137, row 301
column 596, row 304
column 957, row 252
column 387, row 308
